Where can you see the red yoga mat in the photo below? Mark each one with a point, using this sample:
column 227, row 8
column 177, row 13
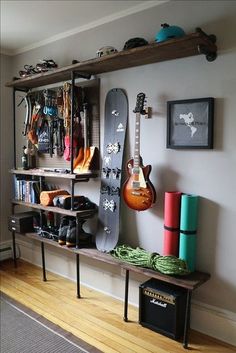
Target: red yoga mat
column 171, row 223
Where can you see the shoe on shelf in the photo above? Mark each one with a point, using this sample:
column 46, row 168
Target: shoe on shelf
column 64, row 225
column 71, row 234
column 84, row 238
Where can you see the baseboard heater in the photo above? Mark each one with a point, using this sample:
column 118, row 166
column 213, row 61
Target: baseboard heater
column 5, row 251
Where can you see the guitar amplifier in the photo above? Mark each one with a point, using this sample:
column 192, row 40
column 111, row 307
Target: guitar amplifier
column 162, row 308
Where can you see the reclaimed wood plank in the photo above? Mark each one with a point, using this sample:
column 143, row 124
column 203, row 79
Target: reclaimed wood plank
column 148, row 54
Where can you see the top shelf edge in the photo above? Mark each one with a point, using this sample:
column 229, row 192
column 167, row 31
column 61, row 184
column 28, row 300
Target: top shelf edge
column 150, row 53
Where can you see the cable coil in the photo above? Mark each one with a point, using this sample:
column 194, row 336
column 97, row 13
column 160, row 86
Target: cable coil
column 169, row 265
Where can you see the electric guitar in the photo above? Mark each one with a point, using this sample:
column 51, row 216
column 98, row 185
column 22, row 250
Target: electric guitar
column 138, row 191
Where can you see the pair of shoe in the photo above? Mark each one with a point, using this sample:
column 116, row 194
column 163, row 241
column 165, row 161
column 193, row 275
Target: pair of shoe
column 67, row 232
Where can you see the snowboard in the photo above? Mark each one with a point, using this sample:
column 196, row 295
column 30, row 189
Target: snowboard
column 116, row 116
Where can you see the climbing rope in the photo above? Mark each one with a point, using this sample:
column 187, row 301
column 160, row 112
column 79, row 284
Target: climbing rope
column 169, row 265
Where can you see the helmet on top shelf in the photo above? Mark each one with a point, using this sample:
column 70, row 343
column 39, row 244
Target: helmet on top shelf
column 169, row 32
column 134, row 43
column 106, row 51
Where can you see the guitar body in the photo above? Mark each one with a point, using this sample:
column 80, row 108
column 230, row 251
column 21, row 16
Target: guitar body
column 138, row 192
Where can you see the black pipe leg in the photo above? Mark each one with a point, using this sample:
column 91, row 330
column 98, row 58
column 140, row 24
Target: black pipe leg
column 77, row 229
column 187, row 319
column 14, row 248
column 43, row 262
column 125, row 318
column 78, row 275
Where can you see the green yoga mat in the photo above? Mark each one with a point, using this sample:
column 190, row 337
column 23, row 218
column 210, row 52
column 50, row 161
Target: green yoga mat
column 189, row 213
column 187, row 249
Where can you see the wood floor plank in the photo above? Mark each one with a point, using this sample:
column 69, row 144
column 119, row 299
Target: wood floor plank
column 93, row 316
column 94, row 297
column 66, row 322
column 97, row 327
column 96, row 318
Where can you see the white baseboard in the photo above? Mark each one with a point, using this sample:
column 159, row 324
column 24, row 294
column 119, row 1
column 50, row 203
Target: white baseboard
column 208, row 319
column 213, row 321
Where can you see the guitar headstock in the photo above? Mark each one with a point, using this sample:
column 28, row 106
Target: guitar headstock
column 140, row 104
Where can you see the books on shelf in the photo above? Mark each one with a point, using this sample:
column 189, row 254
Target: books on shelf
column 26, row 190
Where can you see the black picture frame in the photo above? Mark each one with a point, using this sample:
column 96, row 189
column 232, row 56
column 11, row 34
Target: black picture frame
column 190, row 123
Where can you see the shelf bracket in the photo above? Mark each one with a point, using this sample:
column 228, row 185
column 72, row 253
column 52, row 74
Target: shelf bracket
column 203, row 49
column 79, row 74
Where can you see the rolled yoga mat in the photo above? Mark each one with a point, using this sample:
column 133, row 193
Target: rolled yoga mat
column 188, row 229
column 187, row 249
column 189, row 213
column 171, row 223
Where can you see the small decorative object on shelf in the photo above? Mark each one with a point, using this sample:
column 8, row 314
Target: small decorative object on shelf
column 24, row 160
column 190, row 123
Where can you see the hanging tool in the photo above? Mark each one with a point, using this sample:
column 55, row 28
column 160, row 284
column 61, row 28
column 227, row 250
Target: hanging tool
column 28, row 112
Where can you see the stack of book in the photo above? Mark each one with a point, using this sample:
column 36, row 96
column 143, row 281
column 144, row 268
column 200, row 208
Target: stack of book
column 26, row 190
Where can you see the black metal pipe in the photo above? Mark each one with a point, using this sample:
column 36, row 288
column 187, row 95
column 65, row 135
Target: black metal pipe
column 78, row 275
column 77, row 232
column 125, row 318
column 72, row 195
column 13, row 240
column 41, row 189
column 43, row 262
column 187, row 319
column 72, row 120
column 40, row 184
column 14, row 248
column 14, row 127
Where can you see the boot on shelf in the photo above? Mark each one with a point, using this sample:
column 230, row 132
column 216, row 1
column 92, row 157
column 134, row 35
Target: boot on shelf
column 64, row 225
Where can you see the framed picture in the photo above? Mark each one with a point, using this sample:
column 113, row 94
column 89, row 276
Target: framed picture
column 190, row 123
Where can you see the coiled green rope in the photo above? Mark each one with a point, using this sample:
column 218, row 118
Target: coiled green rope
column 169, row 265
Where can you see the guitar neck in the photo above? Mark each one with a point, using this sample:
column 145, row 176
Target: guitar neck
column 137, row 143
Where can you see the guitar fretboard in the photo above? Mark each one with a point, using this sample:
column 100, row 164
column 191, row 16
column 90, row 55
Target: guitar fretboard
column 137, row 145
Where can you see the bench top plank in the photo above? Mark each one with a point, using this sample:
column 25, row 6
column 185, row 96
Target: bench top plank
column 190, row 282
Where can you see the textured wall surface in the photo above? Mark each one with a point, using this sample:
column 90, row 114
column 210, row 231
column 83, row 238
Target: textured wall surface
column 6, row 142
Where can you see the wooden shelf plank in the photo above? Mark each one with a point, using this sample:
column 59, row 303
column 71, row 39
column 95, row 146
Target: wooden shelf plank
column 41, row 172
column 190, row 282
column 81, row 214
column 148, row 54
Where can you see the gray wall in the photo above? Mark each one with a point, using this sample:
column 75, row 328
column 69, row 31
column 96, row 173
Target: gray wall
column 6, row 141
column 208, row 173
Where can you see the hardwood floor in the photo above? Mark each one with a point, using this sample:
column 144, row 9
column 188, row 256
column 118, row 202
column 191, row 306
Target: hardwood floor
column 95, row 318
